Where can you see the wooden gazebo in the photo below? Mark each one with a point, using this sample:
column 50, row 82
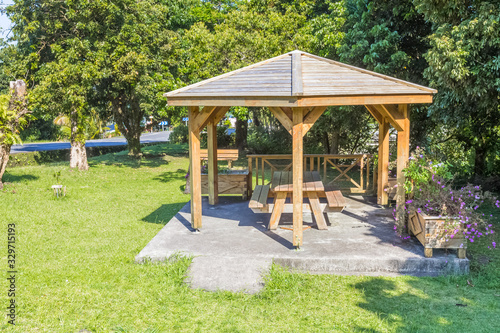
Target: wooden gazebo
column 298, row 87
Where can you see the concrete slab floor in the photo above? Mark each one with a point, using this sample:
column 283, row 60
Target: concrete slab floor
column 234, row 249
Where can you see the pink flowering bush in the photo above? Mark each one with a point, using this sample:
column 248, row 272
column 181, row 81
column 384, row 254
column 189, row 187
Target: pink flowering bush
column 430, row 191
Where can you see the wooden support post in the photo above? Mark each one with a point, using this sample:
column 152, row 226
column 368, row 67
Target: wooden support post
column 250, row 178
column 213, row 181
column 298, row 174
column 402, row 160
column 367, row 172
column 361, row 172
column 383, row 162
column 195, row 172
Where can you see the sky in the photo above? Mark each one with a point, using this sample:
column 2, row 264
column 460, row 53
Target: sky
column 4, row 20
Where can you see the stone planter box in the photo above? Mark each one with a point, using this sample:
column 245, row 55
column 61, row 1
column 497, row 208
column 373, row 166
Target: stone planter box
column 429, row 230
column 233, row 182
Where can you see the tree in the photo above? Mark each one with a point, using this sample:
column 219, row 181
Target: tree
column 116, row 58
column 464, row 65
column 389, row 37
column 248, row 34
column 137, row 59
column 13, row 113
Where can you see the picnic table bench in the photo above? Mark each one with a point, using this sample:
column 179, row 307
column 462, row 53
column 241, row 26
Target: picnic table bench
column 282, row 186
column 228, row 155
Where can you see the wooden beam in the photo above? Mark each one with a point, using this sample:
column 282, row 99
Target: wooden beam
column 195, row 170
column 213, row 181
column 288, row 112
column 297, row 89
column 219, row 114
column 392, row 114
column 375, row 114
column 298, row 174
column 311, row 117
column 203, row 116
column 402, row 160
column 282, row 118
column 383, row 162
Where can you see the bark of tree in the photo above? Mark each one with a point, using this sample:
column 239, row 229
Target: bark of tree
column 241, row 134
column 335, row 142
column 4, row 159
column 480, row 160
column 326, row 142
column 128, row 117
column 78, row 154
column 255, row 117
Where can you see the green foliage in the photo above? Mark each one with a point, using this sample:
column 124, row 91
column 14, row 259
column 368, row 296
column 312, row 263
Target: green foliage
column 9, row 124
column 179, row 134
column 224, row 140
column 464, row 65
column 274, row 140
column 421, row 170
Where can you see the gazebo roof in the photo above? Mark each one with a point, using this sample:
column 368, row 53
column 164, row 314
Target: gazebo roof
column 300, row 79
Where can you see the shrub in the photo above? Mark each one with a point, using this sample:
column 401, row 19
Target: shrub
column 429, row 185
column 179, row 134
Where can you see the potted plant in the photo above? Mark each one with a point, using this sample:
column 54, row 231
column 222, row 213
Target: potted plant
column 441, row 216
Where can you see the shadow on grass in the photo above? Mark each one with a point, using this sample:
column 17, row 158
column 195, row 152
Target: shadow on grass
column 168, row 176
column 9, row 178
column 128, row 161
column 426, row 306
column 153, row 156
column 164, row 213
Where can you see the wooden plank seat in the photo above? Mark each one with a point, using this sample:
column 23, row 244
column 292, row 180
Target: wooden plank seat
column 228, row 155
column 258, row 202
column 335, row 199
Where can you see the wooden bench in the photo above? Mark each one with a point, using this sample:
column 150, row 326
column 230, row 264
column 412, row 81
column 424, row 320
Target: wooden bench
column 258, row 202
column 228, row 155
column 336, row 201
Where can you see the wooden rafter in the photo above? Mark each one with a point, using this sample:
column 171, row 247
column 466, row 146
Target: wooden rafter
column 375, row 114
column 282, row 118
column 392, row 114
column 201, row 118
column 311, row 117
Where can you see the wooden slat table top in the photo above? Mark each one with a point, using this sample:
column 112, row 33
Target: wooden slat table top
column 283, row 182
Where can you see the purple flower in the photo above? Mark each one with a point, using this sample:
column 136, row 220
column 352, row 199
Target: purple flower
column 494, row 244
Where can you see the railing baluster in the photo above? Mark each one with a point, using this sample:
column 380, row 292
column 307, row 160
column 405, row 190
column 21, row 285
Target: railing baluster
column 256, row 171
column 263, row 177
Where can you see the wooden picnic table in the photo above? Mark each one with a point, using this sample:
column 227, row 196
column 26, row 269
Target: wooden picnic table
column 282, row 185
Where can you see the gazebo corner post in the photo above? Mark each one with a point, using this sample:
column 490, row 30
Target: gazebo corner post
column 298, row 174
column 195, row 168
column 213, row 182
column 403, row 154
column 383, row 161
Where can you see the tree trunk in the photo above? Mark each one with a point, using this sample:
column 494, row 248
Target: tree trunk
column 480, row 161
column 4, row 159
column 255, row 117
column 241, row 134
column 326, row 142
column 128, row 116
column 78, row 155
column 134, row 144
column 335, row 142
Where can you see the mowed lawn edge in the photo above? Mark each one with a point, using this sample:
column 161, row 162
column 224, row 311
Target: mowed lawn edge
column 76, row 270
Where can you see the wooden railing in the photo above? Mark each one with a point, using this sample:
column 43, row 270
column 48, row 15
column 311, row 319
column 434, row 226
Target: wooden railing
column 337, row 170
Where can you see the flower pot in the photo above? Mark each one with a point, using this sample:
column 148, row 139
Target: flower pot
column 434, row 232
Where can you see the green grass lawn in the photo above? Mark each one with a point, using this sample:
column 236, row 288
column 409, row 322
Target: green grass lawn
column 76, row 270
